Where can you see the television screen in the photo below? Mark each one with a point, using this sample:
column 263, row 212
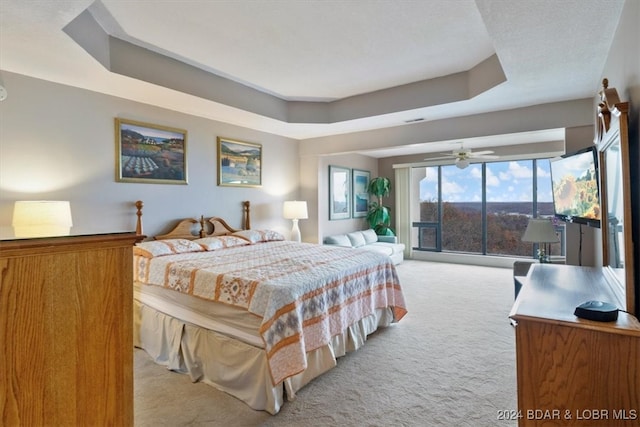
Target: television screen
column 576, row 194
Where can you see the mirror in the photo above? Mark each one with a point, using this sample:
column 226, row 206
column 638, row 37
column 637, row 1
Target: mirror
column 615, row 216
column 612, row 141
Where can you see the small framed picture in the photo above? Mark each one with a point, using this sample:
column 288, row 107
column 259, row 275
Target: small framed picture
column 152, row 154
column 239, row 163
column 339, row 192
column 360, row 182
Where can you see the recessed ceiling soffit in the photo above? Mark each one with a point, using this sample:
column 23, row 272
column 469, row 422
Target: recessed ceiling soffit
column 154, row 66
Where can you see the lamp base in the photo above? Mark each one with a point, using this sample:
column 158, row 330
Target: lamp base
column 295, row 232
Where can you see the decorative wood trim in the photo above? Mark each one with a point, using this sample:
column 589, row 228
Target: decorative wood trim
column 209, row 227
column 612, row 127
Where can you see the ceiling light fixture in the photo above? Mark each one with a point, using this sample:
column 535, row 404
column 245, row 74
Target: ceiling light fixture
column 462, row 163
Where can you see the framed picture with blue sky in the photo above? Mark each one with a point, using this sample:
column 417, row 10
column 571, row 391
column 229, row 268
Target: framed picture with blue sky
column 360, row 196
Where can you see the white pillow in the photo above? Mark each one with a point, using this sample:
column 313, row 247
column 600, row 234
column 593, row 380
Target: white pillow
column 221, row 242
column 338, row 239
column 166, row 247
column 256, row 236
column 370, row 236
column 357, row 239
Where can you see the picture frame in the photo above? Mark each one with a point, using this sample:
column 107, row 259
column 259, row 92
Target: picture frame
column 239, row 163
column 339, row 192
column 360, row 195
column 149, row 153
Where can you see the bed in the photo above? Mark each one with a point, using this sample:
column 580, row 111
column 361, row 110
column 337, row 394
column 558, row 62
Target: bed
column 252, row 314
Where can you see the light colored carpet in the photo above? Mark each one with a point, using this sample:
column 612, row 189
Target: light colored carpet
column 449, row 362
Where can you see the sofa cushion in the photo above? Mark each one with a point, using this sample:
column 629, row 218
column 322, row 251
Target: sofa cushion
column 357, row 239
column 370, row 236
column 385, row 250
column 388, row 239
column 394, row 247
column 386, row 245
column 338, row 239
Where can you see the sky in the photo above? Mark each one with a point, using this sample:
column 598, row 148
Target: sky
column 506, row 182
column 152, row 132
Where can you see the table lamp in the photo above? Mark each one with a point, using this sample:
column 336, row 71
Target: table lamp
column 41, row 218
column 295, row 210
column 541, row 231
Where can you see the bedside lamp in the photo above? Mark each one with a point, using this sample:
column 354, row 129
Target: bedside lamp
column 41, row 218
column 541, row 231
column 295, row 210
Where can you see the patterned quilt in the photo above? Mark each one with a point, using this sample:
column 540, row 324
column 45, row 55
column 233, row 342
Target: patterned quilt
column 304, row 293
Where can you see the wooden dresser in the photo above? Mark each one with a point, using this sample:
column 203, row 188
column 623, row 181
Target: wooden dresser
column 574, row 372
column 66, row 355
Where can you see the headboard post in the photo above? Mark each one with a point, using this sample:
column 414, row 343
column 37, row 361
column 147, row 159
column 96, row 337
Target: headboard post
column 139, row 206
column 246, row 213
column 202, row 232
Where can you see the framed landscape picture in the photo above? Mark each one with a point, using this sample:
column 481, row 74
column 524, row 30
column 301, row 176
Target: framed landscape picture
column 239, row 163
column 339, row 192
column 147, row 153
column 360, row 181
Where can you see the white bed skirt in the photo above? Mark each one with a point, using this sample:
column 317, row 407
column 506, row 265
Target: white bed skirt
column 236, row 367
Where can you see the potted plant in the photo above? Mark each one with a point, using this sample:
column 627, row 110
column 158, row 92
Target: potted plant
column 378, row 215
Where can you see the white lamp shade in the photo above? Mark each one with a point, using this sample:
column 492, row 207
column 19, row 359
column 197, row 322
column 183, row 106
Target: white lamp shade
column 540, row 231
column 295, row 210
column 41, row 218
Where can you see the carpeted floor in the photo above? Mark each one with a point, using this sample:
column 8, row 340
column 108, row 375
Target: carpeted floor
column 449, row 362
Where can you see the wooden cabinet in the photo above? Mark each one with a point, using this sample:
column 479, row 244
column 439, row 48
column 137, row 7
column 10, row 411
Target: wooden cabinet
column 66, row 354
column 570, row 371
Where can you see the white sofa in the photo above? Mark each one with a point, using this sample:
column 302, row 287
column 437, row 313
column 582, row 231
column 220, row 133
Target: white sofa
column 369, row 240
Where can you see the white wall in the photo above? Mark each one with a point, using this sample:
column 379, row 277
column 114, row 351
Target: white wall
column 314, row 183
column 58, row 143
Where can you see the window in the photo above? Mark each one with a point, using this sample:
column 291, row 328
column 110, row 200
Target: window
column 482, row 209
column 510, row 195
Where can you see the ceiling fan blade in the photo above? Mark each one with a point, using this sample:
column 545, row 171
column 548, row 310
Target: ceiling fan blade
column 449, row 157
column 482, row 152
column 483, row 156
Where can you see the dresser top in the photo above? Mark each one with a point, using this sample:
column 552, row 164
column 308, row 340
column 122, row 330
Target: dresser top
column 21, row 247
column 551, row 293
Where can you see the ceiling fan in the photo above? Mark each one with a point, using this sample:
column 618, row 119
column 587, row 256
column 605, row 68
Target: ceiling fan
column 463, row 156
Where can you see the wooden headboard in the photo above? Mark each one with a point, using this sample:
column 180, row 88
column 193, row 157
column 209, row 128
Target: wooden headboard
column 209, row 227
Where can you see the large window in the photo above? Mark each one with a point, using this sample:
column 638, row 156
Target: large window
column 482, row 209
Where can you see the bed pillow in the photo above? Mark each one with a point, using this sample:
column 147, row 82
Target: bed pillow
column 256, row 236
column 220, row 242
column 339, row 240
column 357, row 239
column 370, row 236
column 166, row 247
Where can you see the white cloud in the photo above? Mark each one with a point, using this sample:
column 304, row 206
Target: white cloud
column 492, row 180
column 452, row 187
column 519, row 171
column 542, row 173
